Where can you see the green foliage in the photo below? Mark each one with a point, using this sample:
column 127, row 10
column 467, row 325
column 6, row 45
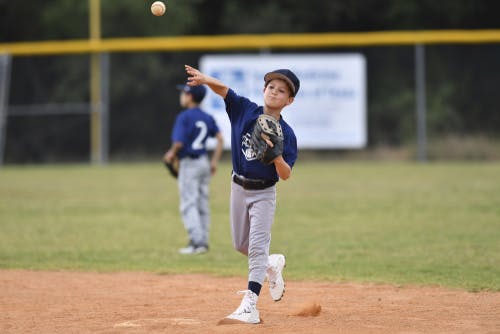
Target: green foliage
column 131, row 18
column 62, row 19
column 461, row 80
column 435, row 224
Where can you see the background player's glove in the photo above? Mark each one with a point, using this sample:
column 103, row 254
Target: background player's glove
column 172, row 167
column 267, row 127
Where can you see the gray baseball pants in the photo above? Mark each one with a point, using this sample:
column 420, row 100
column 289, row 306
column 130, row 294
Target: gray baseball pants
column 193, row 182
column 252, row 216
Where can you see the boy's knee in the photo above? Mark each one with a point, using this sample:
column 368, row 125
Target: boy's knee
column 243, row 249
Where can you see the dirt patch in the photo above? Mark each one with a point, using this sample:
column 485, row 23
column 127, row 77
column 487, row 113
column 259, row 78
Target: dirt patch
column 307, row 310
column 74, row 302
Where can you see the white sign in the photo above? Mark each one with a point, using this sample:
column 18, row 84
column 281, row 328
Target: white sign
column 329, row 110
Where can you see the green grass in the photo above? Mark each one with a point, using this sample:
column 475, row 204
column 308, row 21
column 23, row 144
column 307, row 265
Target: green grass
column 399, row 223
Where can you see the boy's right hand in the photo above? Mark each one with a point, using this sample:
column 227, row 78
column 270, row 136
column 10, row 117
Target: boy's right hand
column 195, row 77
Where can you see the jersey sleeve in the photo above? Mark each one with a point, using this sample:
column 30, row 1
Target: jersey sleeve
column 236, row 105
column 179, row 130
column 290, row 148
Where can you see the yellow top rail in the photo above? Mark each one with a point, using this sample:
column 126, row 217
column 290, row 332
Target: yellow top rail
column 252, row 42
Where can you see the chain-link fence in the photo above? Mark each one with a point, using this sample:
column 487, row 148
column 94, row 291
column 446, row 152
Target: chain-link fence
column 48, row 110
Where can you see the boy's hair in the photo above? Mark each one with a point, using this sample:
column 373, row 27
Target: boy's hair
column 287, row 76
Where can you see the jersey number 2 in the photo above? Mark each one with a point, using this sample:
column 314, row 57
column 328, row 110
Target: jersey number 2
column 198, row 142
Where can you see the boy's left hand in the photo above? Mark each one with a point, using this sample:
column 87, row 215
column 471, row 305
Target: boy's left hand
column 169, row 156
column 171, row 163
column 267, row 139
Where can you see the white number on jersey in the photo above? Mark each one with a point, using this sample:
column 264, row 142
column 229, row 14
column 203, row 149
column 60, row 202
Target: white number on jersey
column 198, row 142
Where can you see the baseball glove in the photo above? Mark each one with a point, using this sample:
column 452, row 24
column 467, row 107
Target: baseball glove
column 267, row 127
column 173, row 167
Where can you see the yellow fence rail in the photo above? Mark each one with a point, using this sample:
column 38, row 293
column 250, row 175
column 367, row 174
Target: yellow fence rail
column 251, row 42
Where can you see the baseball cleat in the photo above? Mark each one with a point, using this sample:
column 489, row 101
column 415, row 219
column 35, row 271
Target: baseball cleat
column 187, row 250
column 247, row 311
column 192, row 249
column 201, row 249
column 275, row 276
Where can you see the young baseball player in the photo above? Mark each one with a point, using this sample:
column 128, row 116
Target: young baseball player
column 253, row 187
column 191, row 129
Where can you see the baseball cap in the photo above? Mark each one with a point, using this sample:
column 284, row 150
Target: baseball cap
column 197, row 92
column 288, row 76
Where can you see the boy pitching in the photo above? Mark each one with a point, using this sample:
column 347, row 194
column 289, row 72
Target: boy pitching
column 253, row 187
column 191, row 129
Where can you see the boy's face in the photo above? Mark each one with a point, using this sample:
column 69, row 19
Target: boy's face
column 277, row 94
column 184, row 99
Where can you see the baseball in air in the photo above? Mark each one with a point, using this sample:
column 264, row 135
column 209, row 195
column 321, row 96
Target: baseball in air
column 158, row 8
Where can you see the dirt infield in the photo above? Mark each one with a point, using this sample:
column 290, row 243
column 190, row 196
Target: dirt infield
column 71, row 302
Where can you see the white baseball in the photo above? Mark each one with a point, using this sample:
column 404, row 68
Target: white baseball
column 158, row 8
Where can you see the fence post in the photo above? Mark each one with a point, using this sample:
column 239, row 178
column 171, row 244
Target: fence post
column 420, row 102
column 5, row 61
column 104, row 107
column 96, row 103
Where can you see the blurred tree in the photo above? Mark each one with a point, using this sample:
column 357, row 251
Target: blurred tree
column 462, row 80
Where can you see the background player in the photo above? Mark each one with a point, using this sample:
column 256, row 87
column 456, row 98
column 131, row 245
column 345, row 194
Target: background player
column 191, row 129
column 253, row 190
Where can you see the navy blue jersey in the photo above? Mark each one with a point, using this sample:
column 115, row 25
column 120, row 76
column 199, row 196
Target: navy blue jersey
column 242, row 114
column 192, row 128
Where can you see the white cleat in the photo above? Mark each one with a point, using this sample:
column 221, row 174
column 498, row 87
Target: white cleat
column 187, row 250
column 247, row 311
column 201, row 249
column 191, row 249
column 275, row 276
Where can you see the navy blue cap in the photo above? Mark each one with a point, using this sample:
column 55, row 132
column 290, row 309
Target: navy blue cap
column 286, row 75
column 197, row 92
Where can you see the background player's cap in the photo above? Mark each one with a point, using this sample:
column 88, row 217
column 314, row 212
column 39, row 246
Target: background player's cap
column 197, row 92
column 288, row 76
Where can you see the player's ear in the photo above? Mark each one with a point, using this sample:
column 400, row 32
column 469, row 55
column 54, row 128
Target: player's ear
column 290, row 100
